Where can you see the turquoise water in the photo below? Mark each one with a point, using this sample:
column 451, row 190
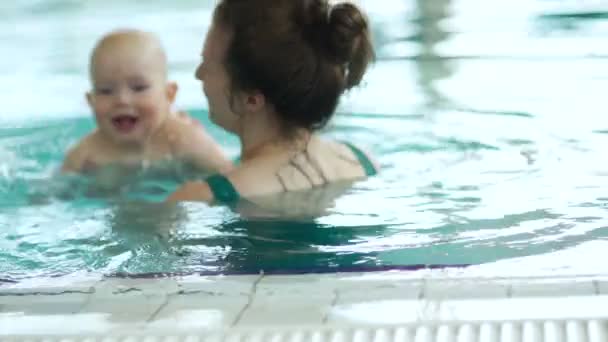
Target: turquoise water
column 488, row 119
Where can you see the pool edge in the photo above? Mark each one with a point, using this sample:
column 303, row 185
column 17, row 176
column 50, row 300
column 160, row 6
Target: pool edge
column 371, row 302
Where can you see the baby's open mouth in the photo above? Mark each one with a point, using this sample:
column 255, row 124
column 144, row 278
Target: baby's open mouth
column 124, row 123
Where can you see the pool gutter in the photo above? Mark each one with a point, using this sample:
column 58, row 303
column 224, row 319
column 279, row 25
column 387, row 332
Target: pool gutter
column 376, row 306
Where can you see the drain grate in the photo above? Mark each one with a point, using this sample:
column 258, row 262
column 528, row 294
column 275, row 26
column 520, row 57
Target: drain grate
column 527, row 331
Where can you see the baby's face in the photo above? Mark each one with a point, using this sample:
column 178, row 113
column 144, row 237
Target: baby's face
column 130, row 97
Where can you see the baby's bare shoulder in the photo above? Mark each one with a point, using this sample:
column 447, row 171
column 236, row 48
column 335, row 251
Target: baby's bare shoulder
column 78, row 156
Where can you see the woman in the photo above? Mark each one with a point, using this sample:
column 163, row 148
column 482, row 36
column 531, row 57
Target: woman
column 273, row 72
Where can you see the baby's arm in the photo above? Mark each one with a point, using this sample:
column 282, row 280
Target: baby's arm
column 73, row 160
column 193, row 144
column 76, row 159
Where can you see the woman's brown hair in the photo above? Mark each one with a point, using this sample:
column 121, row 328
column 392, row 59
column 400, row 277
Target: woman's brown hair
column 301, row 54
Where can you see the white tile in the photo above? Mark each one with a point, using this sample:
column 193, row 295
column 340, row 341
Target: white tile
column 556, row 288
column 382, row 312
column 128, row 307
column 43, row 304
column 462, row 289
column 473, row 310
column 217, row 285
column 287, row 310
column 297, row 285
column 130, row 300
column 49, row 286
column 290, row 300
column 385, row 298
column 46, row 326
column 601, row 287
column 200, row 311
column 379, row 290
column 127, row 286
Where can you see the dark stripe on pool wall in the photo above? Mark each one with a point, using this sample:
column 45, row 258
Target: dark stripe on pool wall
column 348, row 269
column 278, row 271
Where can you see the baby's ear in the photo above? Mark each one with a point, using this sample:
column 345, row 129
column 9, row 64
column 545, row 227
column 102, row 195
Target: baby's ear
column 89, row 96
column 171, row 91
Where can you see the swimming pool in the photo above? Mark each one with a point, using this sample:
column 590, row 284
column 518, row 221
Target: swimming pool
column 487, row 119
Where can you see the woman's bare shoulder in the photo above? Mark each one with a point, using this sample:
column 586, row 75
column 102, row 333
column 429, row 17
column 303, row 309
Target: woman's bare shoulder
column 343, row 154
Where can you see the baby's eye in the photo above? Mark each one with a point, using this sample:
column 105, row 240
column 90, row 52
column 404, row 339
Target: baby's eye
column 140, row 87
column 103, row 91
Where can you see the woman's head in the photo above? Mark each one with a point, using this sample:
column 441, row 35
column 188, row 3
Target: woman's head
column 299, row 55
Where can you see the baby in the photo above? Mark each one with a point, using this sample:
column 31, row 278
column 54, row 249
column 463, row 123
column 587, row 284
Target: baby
column 131, row 99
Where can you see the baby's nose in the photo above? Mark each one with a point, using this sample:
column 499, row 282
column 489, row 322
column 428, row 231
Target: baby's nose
column 123, row 96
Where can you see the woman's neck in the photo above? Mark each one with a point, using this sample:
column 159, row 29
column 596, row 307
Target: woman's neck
column 266, row 144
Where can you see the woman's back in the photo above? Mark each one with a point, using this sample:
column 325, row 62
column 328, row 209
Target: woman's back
column 318, row 163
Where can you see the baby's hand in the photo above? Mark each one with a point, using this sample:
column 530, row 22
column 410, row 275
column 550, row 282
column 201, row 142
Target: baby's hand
column 192, row 142
column 183, row 115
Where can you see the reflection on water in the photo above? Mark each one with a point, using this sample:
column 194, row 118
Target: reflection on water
column 431, row 66
column 488, row 119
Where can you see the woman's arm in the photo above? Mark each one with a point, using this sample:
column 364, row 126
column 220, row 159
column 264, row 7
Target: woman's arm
column 192, row 192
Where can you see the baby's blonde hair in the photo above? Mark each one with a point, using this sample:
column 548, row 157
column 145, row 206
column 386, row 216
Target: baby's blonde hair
column 129, row 38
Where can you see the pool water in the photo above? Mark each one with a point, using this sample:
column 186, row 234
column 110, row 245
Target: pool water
column 488, row 120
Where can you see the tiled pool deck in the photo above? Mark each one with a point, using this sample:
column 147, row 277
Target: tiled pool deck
column 367, row 304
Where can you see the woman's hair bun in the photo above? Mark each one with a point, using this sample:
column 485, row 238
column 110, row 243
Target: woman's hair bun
column 349, row 40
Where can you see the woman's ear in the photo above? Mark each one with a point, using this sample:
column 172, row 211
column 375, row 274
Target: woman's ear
column 254, row 101
column 247, row 102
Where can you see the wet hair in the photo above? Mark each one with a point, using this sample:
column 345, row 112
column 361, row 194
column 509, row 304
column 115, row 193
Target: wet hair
column 302, row 55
